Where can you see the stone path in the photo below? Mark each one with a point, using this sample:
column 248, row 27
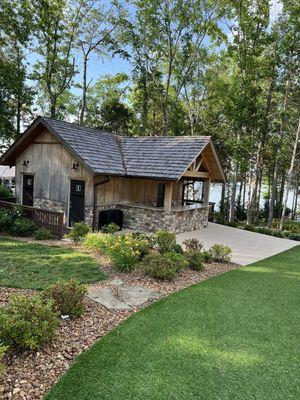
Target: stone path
column 122, row 296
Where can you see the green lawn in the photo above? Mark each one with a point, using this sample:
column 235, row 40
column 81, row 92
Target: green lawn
column 235, row 336
column 36, row 266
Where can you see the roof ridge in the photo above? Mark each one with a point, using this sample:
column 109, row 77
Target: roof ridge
column 80, row 126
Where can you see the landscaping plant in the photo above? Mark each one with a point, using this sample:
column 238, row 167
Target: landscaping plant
column 193, row 244
column 166, row 241
column 28, row 322
column 43, row 234
column 2, row 353
column 4, row 192
column 194, row 259
column 179, row 260
column 220, row 253
column 159, row 266
column 110, row 228
column 96, row 241
column 22, row 227
column 124, row 252
column 78, row 232
column 67, row 297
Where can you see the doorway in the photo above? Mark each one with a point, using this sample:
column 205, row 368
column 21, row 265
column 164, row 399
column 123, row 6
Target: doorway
column 76, row 206
column 27, row 195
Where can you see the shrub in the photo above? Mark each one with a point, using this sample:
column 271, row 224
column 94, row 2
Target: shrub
column 159, row 266
column 4, row 192
column 22, row 227
column 111, row 228
column 250, row 228
column 193, row 244
column 124, row 252
column 194, row 259
column 207, row 256
column 150, row 237
column 233, row 224
column 278, row 233
column 264, row 230
column 43, row 234
column 5, row 220
column 293, row 236
column 291, row 226
column 67, row 297
column 2, row 353
column 95, row 240
column 78, row 232
column 220, row 253
column 28, row 322
column 166, row 241
column 179, row 260
column 177, row 248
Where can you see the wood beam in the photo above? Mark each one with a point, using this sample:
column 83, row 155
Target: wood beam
column 197, row 174
column 168, row 196
column 206, row 191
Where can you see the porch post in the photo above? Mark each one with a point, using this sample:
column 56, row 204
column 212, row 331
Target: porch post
column 168, row 196
column 206, row 191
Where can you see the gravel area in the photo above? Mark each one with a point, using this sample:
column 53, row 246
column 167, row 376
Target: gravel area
column 29, row 376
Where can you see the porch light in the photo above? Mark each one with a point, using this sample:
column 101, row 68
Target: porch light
column 75, row 166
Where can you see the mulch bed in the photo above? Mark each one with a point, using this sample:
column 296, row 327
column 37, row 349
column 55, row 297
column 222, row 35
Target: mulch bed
column 30, row 375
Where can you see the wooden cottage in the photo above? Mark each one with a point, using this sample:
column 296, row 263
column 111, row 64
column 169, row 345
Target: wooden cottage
column 148, row 182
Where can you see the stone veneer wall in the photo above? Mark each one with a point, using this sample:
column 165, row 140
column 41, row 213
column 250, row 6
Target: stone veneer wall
column 151, row 219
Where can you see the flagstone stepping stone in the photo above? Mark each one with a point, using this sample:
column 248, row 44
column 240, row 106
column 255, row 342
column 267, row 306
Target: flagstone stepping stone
column 136, row 295
column 124, row 297
column 105, row 297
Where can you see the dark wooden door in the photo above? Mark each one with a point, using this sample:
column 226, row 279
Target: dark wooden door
column 28, row 182
column 160, row 195
column 76, row 211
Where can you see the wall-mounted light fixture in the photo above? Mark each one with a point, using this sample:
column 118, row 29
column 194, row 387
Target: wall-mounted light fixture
column 75, row 166
column 25, row 163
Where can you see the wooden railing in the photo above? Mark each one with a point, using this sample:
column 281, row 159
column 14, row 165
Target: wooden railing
column 52, row 220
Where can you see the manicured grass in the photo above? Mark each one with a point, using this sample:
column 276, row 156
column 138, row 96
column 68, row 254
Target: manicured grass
column 235, row 336
column 36, row 266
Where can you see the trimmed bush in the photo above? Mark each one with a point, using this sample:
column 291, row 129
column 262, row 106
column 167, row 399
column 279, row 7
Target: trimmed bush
column 179, row 260
column 22, row 227
column 207, row 256
column 293, row 236
column 2, row 353
column 78, row 232
column 67, row 297
column 264, row 230
column 28, row 322
column 166, row 241
column 220, row 253
column 4, row 192
column 43, row 234
column 159, row 266
column 193, row 244
column 111, row 228
column 194, row 259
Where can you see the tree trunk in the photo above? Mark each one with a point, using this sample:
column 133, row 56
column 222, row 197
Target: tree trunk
column 276, row 168
column 222, row 202
column 289, row 176
column 233, row 194
column 84, row 88
column 249, row 207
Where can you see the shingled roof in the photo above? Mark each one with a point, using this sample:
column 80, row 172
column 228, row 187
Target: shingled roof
column 160, row 157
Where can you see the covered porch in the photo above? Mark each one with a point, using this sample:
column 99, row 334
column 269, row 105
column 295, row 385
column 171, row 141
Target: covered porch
column 151, row 204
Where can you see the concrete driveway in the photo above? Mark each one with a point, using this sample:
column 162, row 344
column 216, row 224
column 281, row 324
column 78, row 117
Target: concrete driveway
column 247, row 247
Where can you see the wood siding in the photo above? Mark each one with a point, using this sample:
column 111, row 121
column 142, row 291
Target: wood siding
column 134, row 191
column 51, row 165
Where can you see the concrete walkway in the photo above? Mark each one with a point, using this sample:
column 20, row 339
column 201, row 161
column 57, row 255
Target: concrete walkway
column 247, row 247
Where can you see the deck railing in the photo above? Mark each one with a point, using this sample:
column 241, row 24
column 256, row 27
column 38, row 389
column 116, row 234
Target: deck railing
column 52, row 220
